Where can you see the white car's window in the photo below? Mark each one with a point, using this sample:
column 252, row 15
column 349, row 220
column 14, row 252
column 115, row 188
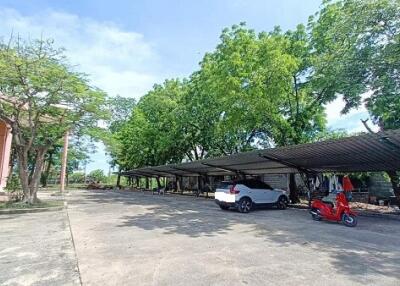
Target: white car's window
column 255, row 184
column 263, row 185
column 224, row 185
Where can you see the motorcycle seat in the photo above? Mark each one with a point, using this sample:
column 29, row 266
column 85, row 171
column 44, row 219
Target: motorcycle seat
column 328, row 203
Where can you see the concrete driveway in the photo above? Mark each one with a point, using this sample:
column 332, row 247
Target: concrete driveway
column 140, row 239
column 36, row 249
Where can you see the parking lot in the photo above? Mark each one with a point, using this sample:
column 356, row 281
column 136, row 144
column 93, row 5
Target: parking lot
column 125, row 238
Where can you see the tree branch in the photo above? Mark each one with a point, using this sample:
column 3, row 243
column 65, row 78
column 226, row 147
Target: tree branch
column 365, row 123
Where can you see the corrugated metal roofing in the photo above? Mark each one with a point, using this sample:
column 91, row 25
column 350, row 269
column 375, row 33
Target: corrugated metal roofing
column 368, row 152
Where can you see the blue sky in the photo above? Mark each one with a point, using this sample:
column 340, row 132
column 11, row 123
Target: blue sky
column 127, row 46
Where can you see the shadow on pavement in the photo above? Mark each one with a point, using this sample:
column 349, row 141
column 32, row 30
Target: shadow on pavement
column 372, row 247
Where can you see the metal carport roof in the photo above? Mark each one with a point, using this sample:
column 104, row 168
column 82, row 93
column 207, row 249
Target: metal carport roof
column 368, row 152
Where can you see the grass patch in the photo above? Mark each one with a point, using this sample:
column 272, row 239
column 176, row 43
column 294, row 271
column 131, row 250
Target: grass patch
column 22, row 205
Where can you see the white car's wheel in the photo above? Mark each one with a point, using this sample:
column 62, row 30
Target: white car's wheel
column 245, row 205
column 282, row 203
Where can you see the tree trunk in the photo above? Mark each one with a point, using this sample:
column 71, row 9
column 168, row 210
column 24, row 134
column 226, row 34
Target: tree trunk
column 23, row 172
column 34, row 184
column 11, row 165
column 147, row 183
column 30, row 186
column 119, row 178
column 394, row 179
column 294, row 195
column 47, row 171
column 33, row 166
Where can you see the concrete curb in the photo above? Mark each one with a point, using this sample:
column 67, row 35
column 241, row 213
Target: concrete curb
column 73, row 241
column 297, row 207
column 360, row 213
column 33, row 210
column 378, row 215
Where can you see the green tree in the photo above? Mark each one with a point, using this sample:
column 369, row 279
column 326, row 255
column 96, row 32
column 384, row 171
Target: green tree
column 249, row 93
column 97, row 176
column 356, row 54
column 79, row 151
column 151, row 136
column 77, row 177
column 41, row 98
column 120, row 109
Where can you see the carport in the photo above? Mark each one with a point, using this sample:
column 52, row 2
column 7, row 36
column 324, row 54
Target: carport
column 364, row 153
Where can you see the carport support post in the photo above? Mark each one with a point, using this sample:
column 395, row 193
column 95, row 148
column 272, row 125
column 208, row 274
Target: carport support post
column 158, row 182
column 178, row 184
column 293, row 193
column 64, row 162
column 199, row 184
column 308, row 188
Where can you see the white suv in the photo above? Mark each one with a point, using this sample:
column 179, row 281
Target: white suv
column 245, row 194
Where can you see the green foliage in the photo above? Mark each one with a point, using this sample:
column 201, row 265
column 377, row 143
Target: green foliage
column 267, row 89
column 24, row 205
column 331, row 134
column 41, row 98
column 356, row 49
column 97, row 176
column 76, row 178
column 42, row 94
column 149, row 136
column 79, row 151
column 13, row 184
column 253, row 85
column 14, row 188
column 120, row 109
column 248, row 93
column 112, row 180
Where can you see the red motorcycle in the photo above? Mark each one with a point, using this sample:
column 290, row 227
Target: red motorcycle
column 326, row 210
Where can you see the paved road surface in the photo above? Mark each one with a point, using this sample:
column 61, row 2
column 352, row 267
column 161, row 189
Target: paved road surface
column 140, row 239
column 36, row 249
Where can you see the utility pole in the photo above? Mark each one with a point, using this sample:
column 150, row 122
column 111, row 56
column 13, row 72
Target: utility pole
column 64, row 162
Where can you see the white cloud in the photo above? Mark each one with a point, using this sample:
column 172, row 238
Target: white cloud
column 116, row 60
column 350, row 121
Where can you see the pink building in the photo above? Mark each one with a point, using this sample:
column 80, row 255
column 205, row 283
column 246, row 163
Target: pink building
column 5, row 150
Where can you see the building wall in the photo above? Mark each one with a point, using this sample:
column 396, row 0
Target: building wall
column 277, row 181
column 5, row 150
